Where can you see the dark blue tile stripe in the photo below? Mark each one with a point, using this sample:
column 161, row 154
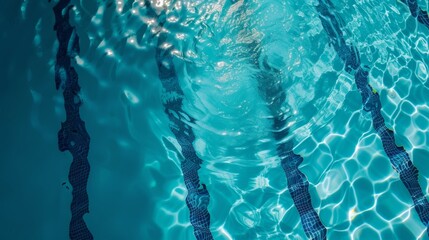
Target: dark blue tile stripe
column 198, row 197
column 417, row 12
column 72, row 136
column 275, row 96
column 297, row 182
column 371, row 102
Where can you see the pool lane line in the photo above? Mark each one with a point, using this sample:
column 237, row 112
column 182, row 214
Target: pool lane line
column 274, row 94
column 398, row 157
column 72, row 136
column 198, row 197
column 417, row 12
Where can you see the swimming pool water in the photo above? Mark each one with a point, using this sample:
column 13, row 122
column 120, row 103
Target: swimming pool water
column 238, row 82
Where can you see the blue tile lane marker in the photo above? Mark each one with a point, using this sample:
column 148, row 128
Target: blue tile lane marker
column 399, row 158
column 272, row 91
column 417, row 12
column 72, row 136
column 198, row 197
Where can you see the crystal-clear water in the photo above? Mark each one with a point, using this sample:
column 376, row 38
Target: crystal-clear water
column 136, row 188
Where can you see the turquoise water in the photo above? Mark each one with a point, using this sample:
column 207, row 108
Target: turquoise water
column 136, row 188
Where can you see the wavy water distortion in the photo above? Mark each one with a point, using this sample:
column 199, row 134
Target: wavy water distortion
column 417, row 12
column 274, row 95
column 72, row 136
column 198, row 197
column 371, row 103
column 298, row 184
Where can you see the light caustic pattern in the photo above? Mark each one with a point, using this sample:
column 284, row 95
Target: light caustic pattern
column 371, row 103
column 352, row 186
column 198, row 197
